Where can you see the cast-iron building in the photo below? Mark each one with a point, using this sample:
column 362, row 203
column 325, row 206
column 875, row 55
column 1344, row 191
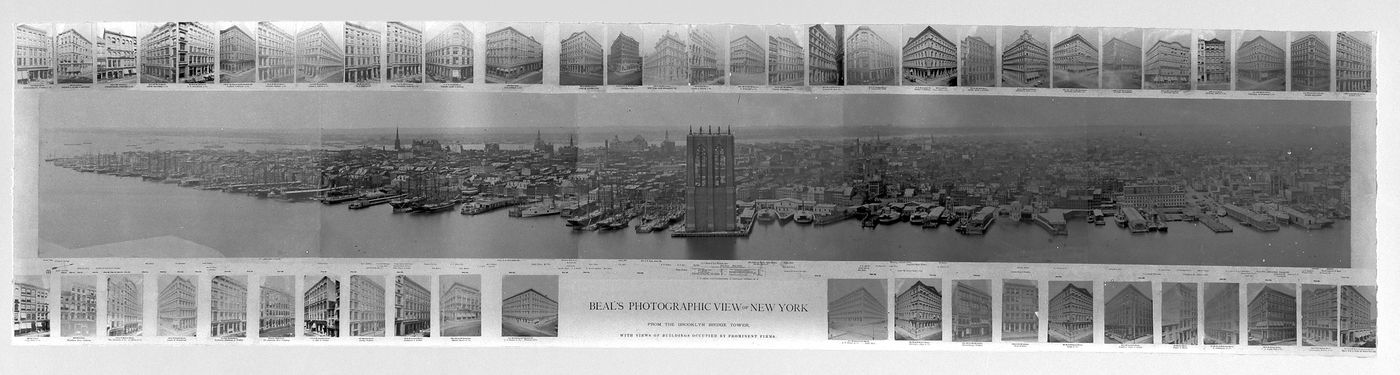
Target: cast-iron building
column 178, row 52
column 1128, row 315
column 1354, row 67
column 581, row 54
column 856, row 308
column 1072, row 312
column 412, row 306
column 176, row 307
column 510, row 54
column 403, row 52
column 319, row 59
column 706, row 63
column 529, row 307
column 825, row 55
column 78, row 309
column 745, row 56
column 919, row 309
column 33, row 56
column 1123, row 60
column 322, row 307
column 31, row 308
column 116, row 56
column 74, row 55
column 124, row 313
column 666, row 63
column 449, row 55
column 1076, row 55
column 361, row 53
column 710, row 184
column 366, row 306
column 784, row 61
column 1311, row 60
column 228, row 307
column 461, row 302
column 277, row 51
column 237, row 51
column 1273, row 317
column 972, row 312
column 1223, row 316
column 929, row 55
column 1025, row 62
column 1356, row 322
column 978, row 63
column 625, row 55
column 275, row 310
column 1182, row 299
column 1212, row 61
column 1260, row 60
column 1168, row 65
column 870, row 59
column 1320, row 315
column 1020, row 309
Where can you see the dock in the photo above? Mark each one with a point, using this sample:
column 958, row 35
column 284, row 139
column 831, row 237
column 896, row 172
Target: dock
column 1215, row 225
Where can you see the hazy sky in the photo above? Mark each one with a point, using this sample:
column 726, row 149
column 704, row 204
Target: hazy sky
column 545, row 284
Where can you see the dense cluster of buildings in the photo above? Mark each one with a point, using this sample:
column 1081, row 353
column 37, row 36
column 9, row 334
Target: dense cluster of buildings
column 1072, row 315
column 785, row 61
column 1025, row 62
column 33, row 55
column 666, row 64
column 178, row 52
column 706, row 58
column 746, row 59
column 1128, row 316
column 31, row 313
column 74, row 54
column 448, row 56
column 176, row 308
column 237, row 54
column 1168, row 66
column 918, row 313
column 972, row 313
column 403, row 53
column 124, row 306
column 412, row 307
column 1179, row 300
column 870, row 60
column 1310, row 59
column 277, row 53
column 930, row 58
column 826, row 55
column 513, row 57
column 321, row 305
column 856, row 315
column 362, row 53
column 365, row 305
column 276, row 312
column 1273, row 314
column 1020, row 310
column 228, row 306
column 1355, row 63
column 319, row 58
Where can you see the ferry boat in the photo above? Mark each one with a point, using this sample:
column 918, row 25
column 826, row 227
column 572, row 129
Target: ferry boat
column 785, row 216
column 888, row 216
column 539, row 210
column 767, row 214
column 918, row 217
column 367, row 202
column 803, row 217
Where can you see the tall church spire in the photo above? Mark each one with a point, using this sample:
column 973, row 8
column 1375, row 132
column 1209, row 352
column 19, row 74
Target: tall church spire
column 397, row 145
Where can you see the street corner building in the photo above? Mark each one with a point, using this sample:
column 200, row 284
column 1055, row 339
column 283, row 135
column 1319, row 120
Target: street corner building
column 1355, row 62
column 918, row 313
column 1222, row 319
column 228, row 307
column 276, row 313
column 412, row 308
column 33, row 55
column 237, row 55
column 362, row 50
column 580, row 60
column 1128, row 317
column 1076, row 63
column 1020, row 311
column 78, row 308
column 930, row 59
column 1212, row 64
column 530, row 313
column 870, row 59
column 449, row 55
column 624, row 60
column 1320, row 315
column 31, row 311
column 858, row 315
column 1273, row 314
column 116, row 57
column 1179, row 300
column 513, row 57
column 322, row 308
column 403, row 53
column 1357, row 318
column 825, row 55
column 666, row 65
column 461, row 310
column 972, row 313
column 1168, row 66
column 74, row 54
column 1310, row 59
column 1122, row 64
column 365, row 304
column 178, row 52
column 176, row 313
column 277, row 54
column 319, row 58
column 746, row 59
column 706, row 58
column 710, row 187
column 1072, row 315
column 125, row 313
column 785, row 61
column 1025, row 62
column 1259, row 65
column 979, row 63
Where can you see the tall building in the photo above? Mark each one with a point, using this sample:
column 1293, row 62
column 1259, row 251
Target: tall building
column 1273, row 315
column 1076, row 56
column 1180, row 298
column 1320, row 317
column 365, row 303
column 929, row 56
column 1222, row 322
column 1311, row 60
column 449, row 55
column 1354, row 63
column 74, row 53
column 1020, row 310
column 1212, row 62
column 33, row 54
column 1025, row 62
column 530, row 307
column 322, row 308
column 412, row 307
column 972, row 312
column 870, row 60
column 857, row 309
column 1168, row 66
column 785, row 61
column 710, row 184
column 403, row 52
column 1071, row 315
column 228, row 307
column 319, row 59
column 1358, row 325
column 277, row 53
column 666, row 63
column 176, row 308
column 124, row 300
column 78, row 309
column 1128, row 315
column 1122, row 64
column 745, row 57
column 918, row 311
column 275, row 312
column 461, row 302
column 237, row 51
column 825, row 55
column 581, row 55
column 705, row 58
column 1150, row 196
column 116, row 56
column 978, row 63
column 1260, row 61
column 31, row 309
column 178, row 52
column 513, row 56
column 624, row 55
column 361, row 53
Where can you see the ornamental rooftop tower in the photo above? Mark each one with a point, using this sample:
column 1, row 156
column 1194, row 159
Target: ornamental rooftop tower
column 710, row 187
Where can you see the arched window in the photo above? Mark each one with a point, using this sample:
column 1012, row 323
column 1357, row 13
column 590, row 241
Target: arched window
column 720, row 165
column 699, row 166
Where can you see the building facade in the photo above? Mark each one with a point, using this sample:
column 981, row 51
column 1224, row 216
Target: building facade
column 461, row 302
column 78, row 309
column 1273, row 315
column 857, row 308
column 918, row 310
column 403, row 52
column 972, row 312
column 412, row 307
column 625, row 55
column 1212, row 62
column 512, row 55
column 1128, row 315
column 580, row 54
column 33, row 55
column 1148, row 196
column 176, row 308
column 365, row 306
column 74, row 53
column 826, row 56
column 277, row 53
column 1181, row 298
column 178, row 52
column 785, row 62
column 124, row 306
column 228, row 307
column 745, row 57
column 529, row 307
column 870, row 59
column 1071, row 314
column 116, row 56
column 1020, row 310
column 705, row 58
column 1311, row 60
column 237, row 51
column 362, row 61
column 31, row 309
column 319, row 58
column 322, row 308
column 710, row 185
column 929, row 55
column 1168, row 66
column 275, row 312
column 1025, row 62
column 1357, row 324
column 1076, row 55
column 1259, row 61
column 1222, row 324
column 449, row 55
column 666, row 63
column 1122, row 61
column 978, row 63
column 1354, row 63
column 1320, row 317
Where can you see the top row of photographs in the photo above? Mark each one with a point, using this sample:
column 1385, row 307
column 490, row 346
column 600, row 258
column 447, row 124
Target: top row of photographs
column 455, row 54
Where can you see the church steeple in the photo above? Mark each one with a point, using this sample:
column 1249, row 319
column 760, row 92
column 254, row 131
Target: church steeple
column 397, row 145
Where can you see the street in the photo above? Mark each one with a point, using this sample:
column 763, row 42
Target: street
column 246, row 76
column 928, row 333
column 1121, row 80
column 1064, row 79
column 1248, row 84
column 127, row 79
column 462, row 328
column 277, row 332
column 527, row 78
column 78, row 328
column 571, row 78
column 625, row 79
column 337, row 77
column 947, row 80
column 871, row 331
column 521, row 329
column 746, row 79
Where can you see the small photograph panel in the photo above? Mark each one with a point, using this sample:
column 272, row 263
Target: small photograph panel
column 1320, row 315
column 1273, row 314
column 1180, row 313
column 624, row 61
column 747, row 54
column 78, row 306
column 664, row 55
column 826, row 55
column 972, row 311
column 238, row 52
column 786, row 56
column 918, row 309
column 708, row 55
column 856, row 309
column 1167, row 62
column 363, row 52
column 178, row 52
column 320, row 55
column 277, row 307
column 1020, row 310
column 1075, row 58
column 1071, row 318
column 125, row 305
column 74, row 52
column 930, row 56
column 321, row 305
column 1358, row 316
column 1025, row 56
column 277, row 52
column 403, row 51
column 581, row 54
column 31, row 306
column 1259, row 61
column 364, row 298
column 34, row 54
column 413, row 306
column 1214, row 57
column 1355, row 61
column 872, row 59
column 1122, row 58
column 1222, row 318
column 1128, row 313
column 531, row 308
column 117, row 52
column 176, row 306
column 450, row 53
column 1310, row 61
column 460, row 305
column 515, row 53
column 228, row 306
column 978, row 57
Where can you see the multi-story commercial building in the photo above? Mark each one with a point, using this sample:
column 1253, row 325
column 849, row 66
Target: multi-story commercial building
column 710, row 185
column 1223, row 316
column 1128, row 315
column 529, row 307
column 275, row 312
column 178, row 52
column 918, row 311
column 116, row 56
column 624, row 55
column 361, row 53
column 978, row 63
column 319, row 58
column 1122, row 64
column 929, row 56
column 870, row 60
column 31, row 309
column 825, row 55
column 512, row 56
column 74, row 55
column 237, row 51
column 449, row 55
column 1020, row 310
column 1076, row 63
column 1212, row 62
column 705, row 59
column 972, row 312
column 1180, row 298
column 858, row 308
column 1260, row 61
column 322, row 307
column 277, row 53
column 461, row 302
column 1273, row 315
column 1168, row 66
column 746, row 58
column 1320, row 317
column 412, row 307
column 228, row 307
column 785, row 61
column 124, row 312
column 666, row 63
column 33, row 54
column 366, row 306
column 581, row 55
column 403, row 52
column 1354, row 63
column 1071, row 314
column 78, row 309
column 1311, row 60
column 1355, row 319
column 1025, row 62
column 176, row 308
column 1147, row 196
